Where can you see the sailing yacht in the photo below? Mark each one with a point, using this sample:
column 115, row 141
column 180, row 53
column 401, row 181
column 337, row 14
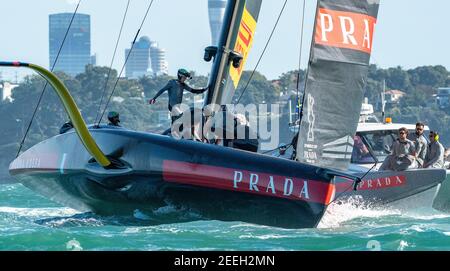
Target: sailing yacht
column 116, row 171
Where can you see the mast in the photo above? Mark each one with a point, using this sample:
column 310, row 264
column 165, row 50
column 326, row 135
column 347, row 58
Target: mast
column 231, row 53
column 383, row 102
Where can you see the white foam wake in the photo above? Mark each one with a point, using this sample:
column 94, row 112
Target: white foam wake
column 340, row 212
column 343, row 211
column 39, row 212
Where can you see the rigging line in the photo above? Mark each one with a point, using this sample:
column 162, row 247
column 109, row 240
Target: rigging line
column 263, row 52
column 354, row 184
column 286, row 146
column 126, row 60
column 46, row 82
column 365, row 174
column 110, row 66
column 300, row 59
column 310, row 56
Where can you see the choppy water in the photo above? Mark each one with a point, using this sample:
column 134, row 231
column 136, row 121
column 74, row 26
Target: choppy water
column 31, row 222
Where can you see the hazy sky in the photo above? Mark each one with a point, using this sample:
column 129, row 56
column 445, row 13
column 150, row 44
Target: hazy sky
column 409, row 33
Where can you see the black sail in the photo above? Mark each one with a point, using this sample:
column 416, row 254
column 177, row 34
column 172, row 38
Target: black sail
column 338, row 66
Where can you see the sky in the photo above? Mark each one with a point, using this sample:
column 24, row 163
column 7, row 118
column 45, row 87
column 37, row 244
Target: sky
column 409, row 33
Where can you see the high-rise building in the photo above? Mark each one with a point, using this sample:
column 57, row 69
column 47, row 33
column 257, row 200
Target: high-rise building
column 145, row 59
column 76, row 51
column 216, row 10
column 138, row 63
column 159, row 62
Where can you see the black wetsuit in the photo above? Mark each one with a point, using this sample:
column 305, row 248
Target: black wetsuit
column 175, row 89
column 66, row 127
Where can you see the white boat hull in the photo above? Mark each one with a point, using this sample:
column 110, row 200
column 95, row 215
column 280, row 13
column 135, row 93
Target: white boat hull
column 442, row 200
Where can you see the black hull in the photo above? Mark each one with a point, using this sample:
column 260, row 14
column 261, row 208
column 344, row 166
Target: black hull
column 162, row 203
column 173, row 181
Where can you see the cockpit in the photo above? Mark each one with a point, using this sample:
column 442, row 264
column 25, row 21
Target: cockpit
column 373, row 145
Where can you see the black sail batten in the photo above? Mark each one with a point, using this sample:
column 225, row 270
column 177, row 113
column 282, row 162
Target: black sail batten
column 235, row 42
column 338, row 67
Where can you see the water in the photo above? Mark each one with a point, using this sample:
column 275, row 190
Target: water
column 31, row 222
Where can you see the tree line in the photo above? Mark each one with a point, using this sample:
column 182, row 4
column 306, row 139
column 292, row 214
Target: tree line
column 130, row 100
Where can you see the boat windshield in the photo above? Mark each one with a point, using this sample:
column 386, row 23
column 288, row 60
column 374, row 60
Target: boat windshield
column 372, row 144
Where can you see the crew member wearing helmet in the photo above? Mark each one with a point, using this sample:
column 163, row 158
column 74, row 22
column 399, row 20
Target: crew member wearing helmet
column 175, row 88
column 113, row 118
column 435, row 154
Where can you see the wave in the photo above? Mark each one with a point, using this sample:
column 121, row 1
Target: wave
column 4, row 187
column 39, row 212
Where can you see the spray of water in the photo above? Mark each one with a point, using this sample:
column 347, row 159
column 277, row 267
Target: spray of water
column 343, row 211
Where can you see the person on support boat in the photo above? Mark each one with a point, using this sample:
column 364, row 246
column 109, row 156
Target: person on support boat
column 360, row 152
column 402, row 155
column 435, row 154
column 420, row 142
column 175, row 88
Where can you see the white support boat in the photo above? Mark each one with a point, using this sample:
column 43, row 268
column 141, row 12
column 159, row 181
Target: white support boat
column 376, row 138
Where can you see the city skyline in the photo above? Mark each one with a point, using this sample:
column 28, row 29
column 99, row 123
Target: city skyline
column 408, row 39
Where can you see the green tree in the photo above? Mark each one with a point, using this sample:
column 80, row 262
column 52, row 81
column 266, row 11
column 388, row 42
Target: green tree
column 152, row 85
column 432, row 76
column 288, row 80
column 259, row 89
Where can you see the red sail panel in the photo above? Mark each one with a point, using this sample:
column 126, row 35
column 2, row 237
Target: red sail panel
column 345, row 30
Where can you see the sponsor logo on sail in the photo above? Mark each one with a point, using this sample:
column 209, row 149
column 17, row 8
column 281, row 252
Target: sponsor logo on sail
column 310, row 151
column 345, row 30
column 243, row 44
column 311, row 118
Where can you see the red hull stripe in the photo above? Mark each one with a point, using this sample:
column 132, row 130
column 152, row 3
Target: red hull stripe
column 372, row 184
column 380, row 183
column 247, row 181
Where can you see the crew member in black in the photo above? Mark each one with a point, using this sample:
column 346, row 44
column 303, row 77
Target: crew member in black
column 175, row 88
column 113, row 118
column 66, row 127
